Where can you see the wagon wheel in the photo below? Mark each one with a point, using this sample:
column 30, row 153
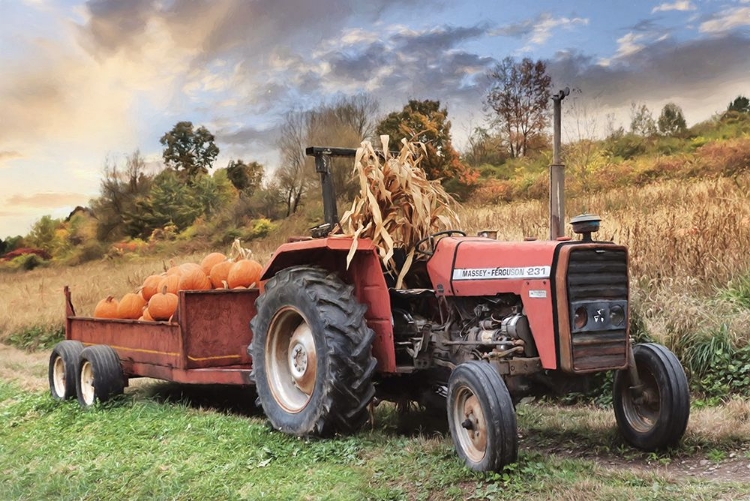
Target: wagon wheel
column 62, row 369
column 481, row 417
column 655, row 415
column 312, row 353
column 99, row 375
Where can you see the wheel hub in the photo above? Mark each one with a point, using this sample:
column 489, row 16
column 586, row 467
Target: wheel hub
column 58, row 376
column 291, row 365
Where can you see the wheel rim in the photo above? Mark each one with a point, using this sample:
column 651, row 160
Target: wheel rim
column 58, row 377
column 642, row 411
column 471, row 426
column 87, row 382
column 291, row 360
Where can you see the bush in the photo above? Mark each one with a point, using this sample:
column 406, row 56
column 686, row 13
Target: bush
column 261, row 228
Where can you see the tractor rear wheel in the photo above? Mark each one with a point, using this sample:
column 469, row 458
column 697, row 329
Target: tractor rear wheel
column 99, row 375
column 62, row 369
column 311, row 353
column 654, row 416
column 481, row 417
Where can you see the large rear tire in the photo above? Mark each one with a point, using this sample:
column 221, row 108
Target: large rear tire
column 481, row 417
column 311, row 353
column 62, row 369
column 656, row 416
column 99, row 375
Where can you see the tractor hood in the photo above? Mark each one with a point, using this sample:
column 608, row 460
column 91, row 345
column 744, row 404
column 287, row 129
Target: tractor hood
column 477, row 266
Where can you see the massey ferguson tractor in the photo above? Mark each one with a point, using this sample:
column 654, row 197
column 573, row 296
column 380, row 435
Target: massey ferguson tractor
column 479, row 323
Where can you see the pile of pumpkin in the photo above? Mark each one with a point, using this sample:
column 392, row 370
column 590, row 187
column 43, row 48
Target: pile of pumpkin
column 157, row 299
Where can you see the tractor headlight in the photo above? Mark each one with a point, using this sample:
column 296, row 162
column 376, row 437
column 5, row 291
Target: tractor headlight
column 580, row 317
column 616, row 315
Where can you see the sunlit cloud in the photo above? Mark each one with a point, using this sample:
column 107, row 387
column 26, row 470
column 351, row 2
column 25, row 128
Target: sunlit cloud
column 679, row 5
column 727, row 20
column 47, row 200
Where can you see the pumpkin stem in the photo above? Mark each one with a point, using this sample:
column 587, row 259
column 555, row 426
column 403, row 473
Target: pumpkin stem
column 225, row 284
column 164, row 290
column 110, row 298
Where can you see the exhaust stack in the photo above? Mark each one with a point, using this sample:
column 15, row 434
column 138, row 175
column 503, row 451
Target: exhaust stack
column 557, row 173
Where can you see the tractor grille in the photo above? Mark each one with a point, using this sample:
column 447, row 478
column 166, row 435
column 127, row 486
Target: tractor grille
column 598, row 279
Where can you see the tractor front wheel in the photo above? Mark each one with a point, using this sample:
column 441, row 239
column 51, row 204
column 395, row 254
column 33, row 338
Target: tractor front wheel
column 481, row 417
column 311, row 353
column 653, row 416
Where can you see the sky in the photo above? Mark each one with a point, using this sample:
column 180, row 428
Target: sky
column 83, row 82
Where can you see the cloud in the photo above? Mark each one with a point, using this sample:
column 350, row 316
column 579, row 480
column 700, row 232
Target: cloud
column 47, row 200
column 697, row 70
column 7, row 155
column 539, row 29
column 679, row 5
column 726, row 20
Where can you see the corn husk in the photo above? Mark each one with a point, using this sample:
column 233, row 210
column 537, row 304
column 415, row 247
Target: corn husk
column 397, row 205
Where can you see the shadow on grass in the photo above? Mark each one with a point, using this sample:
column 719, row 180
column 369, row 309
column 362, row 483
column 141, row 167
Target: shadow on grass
column 226, row 399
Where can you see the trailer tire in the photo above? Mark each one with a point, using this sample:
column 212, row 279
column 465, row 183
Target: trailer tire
column 63, row 362
column 657, row 419
column 311, row 353
column 99, row 375
column 481, row 417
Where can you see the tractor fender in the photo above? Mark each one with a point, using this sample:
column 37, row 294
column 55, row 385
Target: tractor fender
column 364, row 273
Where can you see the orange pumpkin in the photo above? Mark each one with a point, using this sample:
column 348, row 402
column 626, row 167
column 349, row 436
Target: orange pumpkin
column 211, row 260
column 171, row 282
column 130, row 306
column 193, row 279
column 220, row 273
column 174, row 270
column 106, row 308
column 162, row 305
column 151, row 286
column 245, row 272
column 185, row 267
column 146, row 315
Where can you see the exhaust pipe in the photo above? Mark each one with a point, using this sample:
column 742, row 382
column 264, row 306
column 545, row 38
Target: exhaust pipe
column 557, row 173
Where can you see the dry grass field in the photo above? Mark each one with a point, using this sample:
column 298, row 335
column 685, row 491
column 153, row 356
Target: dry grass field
column 686, row 241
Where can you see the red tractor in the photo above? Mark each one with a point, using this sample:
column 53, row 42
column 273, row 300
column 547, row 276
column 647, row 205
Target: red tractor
column 479, row 323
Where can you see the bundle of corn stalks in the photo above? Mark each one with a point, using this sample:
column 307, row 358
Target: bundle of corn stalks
column 397, row 205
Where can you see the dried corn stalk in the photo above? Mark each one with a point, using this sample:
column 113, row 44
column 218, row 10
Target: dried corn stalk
column 397, row 205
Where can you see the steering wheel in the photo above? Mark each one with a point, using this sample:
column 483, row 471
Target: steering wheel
column 431, row 239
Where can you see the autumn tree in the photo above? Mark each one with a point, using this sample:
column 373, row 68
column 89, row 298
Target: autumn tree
column 671, row 121
column 189, row 150
column 245, row 177
column 426, row 122
column 519, row 94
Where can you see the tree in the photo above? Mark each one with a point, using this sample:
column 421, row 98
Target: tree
column 671, row 121
column 245, row 177
column 191, row 150
column 426, row 122
column 119, row 190
column 43, row 234
column 169, row 201
column 345, row 122
column 641, row 121
column 519, row 94
column 740, row 104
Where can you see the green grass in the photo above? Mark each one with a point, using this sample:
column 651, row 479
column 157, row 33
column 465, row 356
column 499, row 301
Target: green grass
column 167, row 442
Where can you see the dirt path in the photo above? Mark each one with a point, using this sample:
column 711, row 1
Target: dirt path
column 730, row 466
column 29, row 370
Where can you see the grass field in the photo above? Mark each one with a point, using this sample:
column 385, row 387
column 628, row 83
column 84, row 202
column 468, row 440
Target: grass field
column 162, row 441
